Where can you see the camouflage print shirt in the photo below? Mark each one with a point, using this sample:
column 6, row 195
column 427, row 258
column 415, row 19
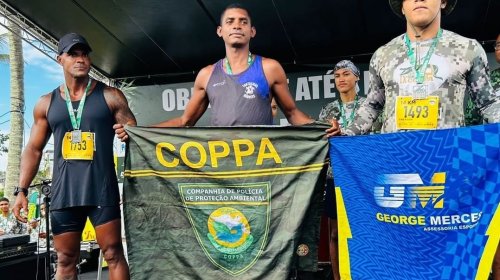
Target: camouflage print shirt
column 495, row 79
column 457, row 66
column 332, row 111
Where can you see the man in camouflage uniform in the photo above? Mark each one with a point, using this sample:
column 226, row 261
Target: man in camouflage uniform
column 495, row 74
column 420, row 79
column 471, row 112
column 435, row 72
column 346, row 76
column 343, row 110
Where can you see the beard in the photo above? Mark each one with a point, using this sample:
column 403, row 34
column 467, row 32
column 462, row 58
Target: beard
column 237, row 45
column 78, row 74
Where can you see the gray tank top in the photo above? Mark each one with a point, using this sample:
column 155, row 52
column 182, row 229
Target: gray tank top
column 241, row 99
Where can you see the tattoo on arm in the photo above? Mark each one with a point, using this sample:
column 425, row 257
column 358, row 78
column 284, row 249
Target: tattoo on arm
column 119, row 106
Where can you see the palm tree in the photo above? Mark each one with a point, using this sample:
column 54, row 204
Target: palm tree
column 3, row 41
column 16, row 108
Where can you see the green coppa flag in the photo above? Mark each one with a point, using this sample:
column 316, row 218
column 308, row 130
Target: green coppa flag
column 223, row 203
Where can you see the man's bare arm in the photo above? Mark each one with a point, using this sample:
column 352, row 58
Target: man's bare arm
column 32, row 154
column 279, row 87
column 118, row 104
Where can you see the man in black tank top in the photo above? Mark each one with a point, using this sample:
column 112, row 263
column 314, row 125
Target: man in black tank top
column 80, row 114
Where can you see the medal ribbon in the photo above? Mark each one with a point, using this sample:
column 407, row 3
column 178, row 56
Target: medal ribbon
column 228, row 67
column 420, row 69
column 75, row 121
column 345, row 121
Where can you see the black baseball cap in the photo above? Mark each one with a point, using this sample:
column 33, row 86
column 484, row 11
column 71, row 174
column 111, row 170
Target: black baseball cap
column 69, row 40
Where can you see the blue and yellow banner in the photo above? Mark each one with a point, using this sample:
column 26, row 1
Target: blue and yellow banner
column 223, row 203
column 418, row 205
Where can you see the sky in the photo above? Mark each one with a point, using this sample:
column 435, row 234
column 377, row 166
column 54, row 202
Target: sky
column 41, row 76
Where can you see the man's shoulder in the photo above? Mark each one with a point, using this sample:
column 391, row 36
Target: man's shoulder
column 44, row 100
column 496, row 72
column 269, row 61
column 454, row 40
column 329, row 111
column 361, row 99
column 452, row 36
column 107, row 90
column 11, row 216
column 389, row 48
column 270, row 66
column 207, row 69
column 331, row 106
column 204, row 75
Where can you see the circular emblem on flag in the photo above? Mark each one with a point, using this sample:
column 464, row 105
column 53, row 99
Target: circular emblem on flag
column 302, row 250
column 229, row 231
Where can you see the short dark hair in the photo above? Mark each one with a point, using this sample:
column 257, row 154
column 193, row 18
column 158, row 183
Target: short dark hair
column 4, row 199
column 235, row 6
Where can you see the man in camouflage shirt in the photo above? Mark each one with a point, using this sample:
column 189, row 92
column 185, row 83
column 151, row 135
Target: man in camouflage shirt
column 472, row 116
column 343, row 110
column 420, row 79
column 495, row 74
column 433, row 74
column 346, row 76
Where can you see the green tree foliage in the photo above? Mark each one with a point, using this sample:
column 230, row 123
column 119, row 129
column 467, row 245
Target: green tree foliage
column 3, row 139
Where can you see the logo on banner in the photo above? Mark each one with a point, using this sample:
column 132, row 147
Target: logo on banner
column 403, row 191
column 417, row 196
column 231, row 222
column 229, row 231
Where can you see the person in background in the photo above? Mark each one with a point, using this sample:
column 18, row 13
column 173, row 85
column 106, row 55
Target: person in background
column 8, row 222
column 274, row 108
column 495, row 74
column 472, row 116
column 343, row 110
column 37, row 228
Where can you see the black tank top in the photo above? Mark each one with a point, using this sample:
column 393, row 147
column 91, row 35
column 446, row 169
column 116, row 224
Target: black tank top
column 84, row 182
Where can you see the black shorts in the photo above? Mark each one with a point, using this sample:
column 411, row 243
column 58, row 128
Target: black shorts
column 73, row 219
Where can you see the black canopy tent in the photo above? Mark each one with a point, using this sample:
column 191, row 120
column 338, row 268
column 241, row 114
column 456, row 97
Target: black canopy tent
column 165, row 41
